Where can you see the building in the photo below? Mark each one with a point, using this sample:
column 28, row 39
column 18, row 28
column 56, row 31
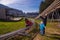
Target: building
column 7, row 13
column 32, row 14
column 2, row 13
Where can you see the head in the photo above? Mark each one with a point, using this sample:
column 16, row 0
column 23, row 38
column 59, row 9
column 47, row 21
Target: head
column 41, row 22
column 26, row 19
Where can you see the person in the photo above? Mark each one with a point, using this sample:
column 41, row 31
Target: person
column 42, row 28
column 44, row 19
column 28, row 23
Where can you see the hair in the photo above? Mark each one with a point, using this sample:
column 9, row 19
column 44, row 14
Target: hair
column 26, row 19
column 41, row 22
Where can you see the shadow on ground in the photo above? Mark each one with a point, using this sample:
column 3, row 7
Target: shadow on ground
column 54, row 36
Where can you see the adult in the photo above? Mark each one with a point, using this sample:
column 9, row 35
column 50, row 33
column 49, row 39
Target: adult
column 28, row 23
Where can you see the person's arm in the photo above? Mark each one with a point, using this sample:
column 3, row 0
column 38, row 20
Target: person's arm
column 43, row 25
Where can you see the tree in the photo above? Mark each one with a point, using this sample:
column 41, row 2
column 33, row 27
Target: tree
column 44, row 5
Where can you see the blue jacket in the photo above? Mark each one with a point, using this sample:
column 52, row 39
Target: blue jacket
column 42, row 26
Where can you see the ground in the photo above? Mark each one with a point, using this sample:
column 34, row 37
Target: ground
column 52, row 29
column 52, row 32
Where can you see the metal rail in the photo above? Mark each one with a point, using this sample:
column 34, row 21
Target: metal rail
column 55, row 5
column 8, row 35
column 21, row 32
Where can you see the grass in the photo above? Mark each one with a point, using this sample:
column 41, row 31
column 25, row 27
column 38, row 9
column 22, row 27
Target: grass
column 6, row 27
column 52, row 32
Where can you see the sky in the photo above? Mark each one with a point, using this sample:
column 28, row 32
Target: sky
column 24, row 5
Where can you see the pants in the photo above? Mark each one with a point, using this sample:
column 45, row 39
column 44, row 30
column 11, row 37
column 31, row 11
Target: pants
column 42, row 31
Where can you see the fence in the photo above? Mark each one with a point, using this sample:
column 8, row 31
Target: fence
column 26, row 33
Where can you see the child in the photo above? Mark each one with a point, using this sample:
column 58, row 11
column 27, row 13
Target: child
column 28, row 23
column 42, row 28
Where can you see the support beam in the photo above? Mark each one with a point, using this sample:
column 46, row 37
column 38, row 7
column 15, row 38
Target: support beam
column 50, row 9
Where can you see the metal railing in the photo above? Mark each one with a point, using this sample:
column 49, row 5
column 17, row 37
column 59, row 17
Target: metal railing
column 29, row 32
column 50, row 9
